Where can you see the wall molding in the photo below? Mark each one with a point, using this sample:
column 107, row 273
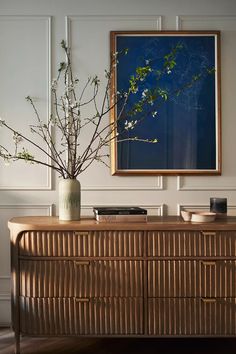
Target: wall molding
column 5, row 297
column 157, row 210
column 47, row 19
column 214, row 20
column 196, row 207
column 158, row 186
column 182, row 187
column 199, row 207
column 48, row 207
column 157, row 18
column 68, row 30
column 5, row 285
column 5, row 310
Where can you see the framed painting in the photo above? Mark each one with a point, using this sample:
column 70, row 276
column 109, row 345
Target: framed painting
column 165, row 97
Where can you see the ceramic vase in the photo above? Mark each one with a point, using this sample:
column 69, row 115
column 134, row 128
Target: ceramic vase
column 69, row 199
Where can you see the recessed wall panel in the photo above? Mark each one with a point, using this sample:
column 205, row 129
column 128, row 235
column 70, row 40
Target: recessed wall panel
column 227, row 26
column 24, row 70
column 89, row 38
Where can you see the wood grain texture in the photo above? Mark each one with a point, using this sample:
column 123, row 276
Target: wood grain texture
column 191, row 278
column 196, row 316
column 19, row 224
column 54, row 278
column 191, row 244
column 82, row 244
column 165, row 278
column 81, row 316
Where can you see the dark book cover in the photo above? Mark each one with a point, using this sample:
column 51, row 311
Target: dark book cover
column 119, row 211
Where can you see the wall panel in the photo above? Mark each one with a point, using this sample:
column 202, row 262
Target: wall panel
column 227, row 26
column 25, row 70
column 88, row 37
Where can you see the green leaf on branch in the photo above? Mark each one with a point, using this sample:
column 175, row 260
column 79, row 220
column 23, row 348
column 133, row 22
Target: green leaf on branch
column 142, row 72
column 25, row 155
column 211, row 71
column 163, row 94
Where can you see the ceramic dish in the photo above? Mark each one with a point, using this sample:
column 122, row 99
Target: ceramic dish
column 186, row 215
column 203, row 217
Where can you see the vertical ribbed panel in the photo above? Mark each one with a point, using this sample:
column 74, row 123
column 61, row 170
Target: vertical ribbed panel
column 82, row 244
column 102, row 316
column 47, row 278
column 192, row 316
column 43, row 316
column 109, row 278
column 68, row 278
column 105, row 297
column 191, row 278
column 191, row 243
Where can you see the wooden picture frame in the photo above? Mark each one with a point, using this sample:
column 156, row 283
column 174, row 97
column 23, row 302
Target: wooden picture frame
column 187, row 123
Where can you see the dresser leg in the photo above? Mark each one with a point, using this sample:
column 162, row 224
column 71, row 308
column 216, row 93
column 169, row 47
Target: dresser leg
column 17, row 343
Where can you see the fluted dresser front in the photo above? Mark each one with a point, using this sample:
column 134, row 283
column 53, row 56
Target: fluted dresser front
column 165, row 277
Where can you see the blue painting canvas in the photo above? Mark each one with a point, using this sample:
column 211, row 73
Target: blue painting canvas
column 185, row 123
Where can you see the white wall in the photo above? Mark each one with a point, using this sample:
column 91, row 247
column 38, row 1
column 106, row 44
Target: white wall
column 30, row 31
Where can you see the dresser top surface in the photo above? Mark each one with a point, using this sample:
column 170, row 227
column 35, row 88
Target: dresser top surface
column 19, row 224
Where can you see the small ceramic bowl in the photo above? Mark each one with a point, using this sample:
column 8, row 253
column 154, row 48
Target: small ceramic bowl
column 203, row 217
column 186, row 215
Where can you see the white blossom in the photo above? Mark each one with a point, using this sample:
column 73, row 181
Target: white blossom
column 54, row 84
column 6, row 162
column 17, row 138
column 130, row 125
column 144, row 93
column 70, row 87
column 1, row 122
column 73, row 105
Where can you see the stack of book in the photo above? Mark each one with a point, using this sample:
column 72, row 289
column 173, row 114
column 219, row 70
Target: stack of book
column 120, row 214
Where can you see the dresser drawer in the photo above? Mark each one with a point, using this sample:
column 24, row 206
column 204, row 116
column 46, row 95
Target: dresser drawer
column 109, row 278
column 95, row 278
column 82, row 243
column 192, row 278
column 47, row 278
column 191, row 243
column 175, row 316
column 81, row 316
column 113, row 316
column 48, row 316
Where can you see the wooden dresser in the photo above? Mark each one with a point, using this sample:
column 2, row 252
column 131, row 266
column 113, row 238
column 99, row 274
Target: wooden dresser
column 165, row 277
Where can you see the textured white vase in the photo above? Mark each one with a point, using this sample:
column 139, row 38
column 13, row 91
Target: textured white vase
column 69, row 199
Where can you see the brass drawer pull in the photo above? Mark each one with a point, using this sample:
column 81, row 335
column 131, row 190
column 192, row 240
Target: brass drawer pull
column 208, row 263
column 207, row 233
column 82, row 263
column 208, row 300
column 80, row 233
column 82, row 299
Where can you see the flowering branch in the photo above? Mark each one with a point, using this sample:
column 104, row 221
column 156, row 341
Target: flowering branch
column 67, row 156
